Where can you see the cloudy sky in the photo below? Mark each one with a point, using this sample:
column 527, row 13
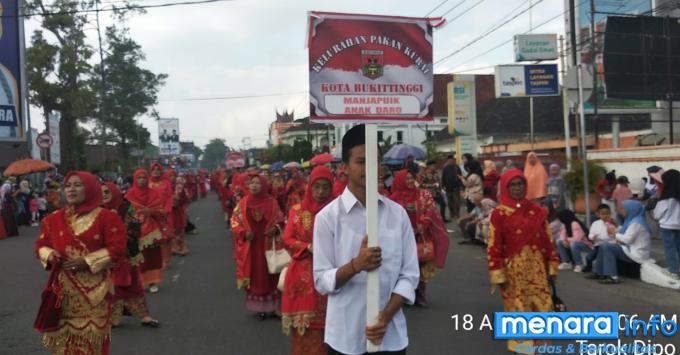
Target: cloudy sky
column 257, row 47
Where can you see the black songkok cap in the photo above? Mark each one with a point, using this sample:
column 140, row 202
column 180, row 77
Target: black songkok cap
column 354, row 137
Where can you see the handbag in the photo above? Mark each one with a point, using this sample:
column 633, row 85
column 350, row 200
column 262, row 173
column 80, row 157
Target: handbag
column 276, row 259
column 558, row 304
column 282, row 279
column 49, row 312
column 425, row 250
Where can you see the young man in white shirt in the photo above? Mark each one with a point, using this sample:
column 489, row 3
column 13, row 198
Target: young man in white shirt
column 342, row 260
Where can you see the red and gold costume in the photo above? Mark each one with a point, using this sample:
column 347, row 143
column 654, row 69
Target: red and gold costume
column 97, row 235
column 151, row 235
column 162, row 185
column 180, row 206
column 202, row 189
column 302, row 306
column 426, row 222
column 295, row 188
column 257, row 214
column 521, row 255
column 127, row 279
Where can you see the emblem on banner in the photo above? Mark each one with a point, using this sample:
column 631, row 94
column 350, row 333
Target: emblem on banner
column 373, row 62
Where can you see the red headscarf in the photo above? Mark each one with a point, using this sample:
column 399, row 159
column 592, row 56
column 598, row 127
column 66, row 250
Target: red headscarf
column 159, row 178
column 530, row 216
column 143, row 196
column 400, row 192
column 309, row 203
column 116, row 198
column 339, row 185
column 93, row 191
column 168, row 173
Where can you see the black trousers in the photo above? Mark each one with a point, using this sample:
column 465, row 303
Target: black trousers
column 332, row 351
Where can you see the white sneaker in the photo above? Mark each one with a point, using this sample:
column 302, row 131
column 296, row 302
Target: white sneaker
column 675, row 275
column 565, row 266
column 578, row 268
column 153, row 289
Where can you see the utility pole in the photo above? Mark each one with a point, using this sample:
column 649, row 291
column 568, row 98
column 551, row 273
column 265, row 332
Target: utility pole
column 102, row 109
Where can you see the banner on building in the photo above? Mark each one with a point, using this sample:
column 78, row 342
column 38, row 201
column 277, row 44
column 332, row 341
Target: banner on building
column 370, row 68
column 235, row 160
column 55, row 149
column 11, row 122
column 527, row 80
column 168, row 136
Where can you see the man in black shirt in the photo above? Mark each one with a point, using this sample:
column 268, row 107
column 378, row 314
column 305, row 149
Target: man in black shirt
column 452, row 185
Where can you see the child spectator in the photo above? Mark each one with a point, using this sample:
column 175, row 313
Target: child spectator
column 33, row 207
column 42, row 206
column 572, row 241
column 602, row 231
column 667, row 212
column 632, row 245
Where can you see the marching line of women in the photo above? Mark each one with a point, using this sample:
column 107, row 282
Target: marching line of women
column 103, row 249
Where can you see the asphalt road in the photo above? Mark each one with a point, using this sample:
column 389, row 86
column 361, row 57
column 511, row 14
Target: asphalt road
column 202, row 312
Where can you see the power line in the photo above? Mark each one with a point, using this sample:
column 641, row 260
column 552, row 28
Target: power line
column 234, row 97
column 436, row 7
column 511, row 39
column 113, row 8
column 453, row 8
column 479, row 38
column 466, row 11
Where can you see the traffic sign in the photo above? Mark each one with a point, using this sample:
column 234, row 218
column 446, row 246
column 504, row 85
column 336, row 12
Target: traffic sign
column 44, row 140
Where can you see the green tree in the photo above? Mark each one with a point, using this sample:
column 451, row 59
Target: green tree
column 213, row 154
column 386, row 145
column 127, row 92
column 302, row 149
column 57, row 72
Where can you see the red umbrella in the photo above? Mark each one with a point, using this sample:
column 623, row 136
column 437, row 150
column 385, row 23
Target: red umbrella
column 27, row 166
column 322, row 159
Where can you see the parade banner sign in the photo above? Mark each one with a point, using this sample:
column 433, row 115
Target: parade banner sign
column 370, row 68
column 168, row 136
column 10, row 72
column 235, row 160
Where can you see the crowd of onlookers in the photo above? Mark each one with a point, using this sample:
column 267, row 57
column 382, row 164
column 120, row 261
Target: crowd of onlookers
column 629, row 216
column 22, row 204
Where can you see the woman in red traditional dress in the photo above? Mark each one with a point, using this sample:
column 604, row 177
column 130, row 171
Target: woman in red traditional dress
column 520, row 253
column 295, row 188
column 127, row 279
column 428, row 228
column 302, row 307
column 180, row 205
column 340, row 182
column 255, row 226
column 159, row 182
column 279, row 189
column 147, row 207
column 81, row 241
column 203, row 191
column 226, row 196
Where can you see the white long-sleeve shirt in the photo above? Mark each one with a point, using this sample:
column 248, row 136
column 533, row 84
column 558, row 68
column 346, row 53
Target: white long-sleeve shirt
column 338, row 231
column 667, row 212
column 636, row 243
column 599, row 234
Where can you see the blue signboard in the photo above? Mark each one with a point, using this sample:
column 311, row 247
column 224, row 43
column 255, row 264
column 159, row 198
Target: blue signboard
column 10, row 70
column 541, row 80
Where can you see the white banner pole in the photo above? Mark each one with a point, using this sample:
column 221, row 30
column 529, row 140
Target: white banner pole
column 372, row 282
